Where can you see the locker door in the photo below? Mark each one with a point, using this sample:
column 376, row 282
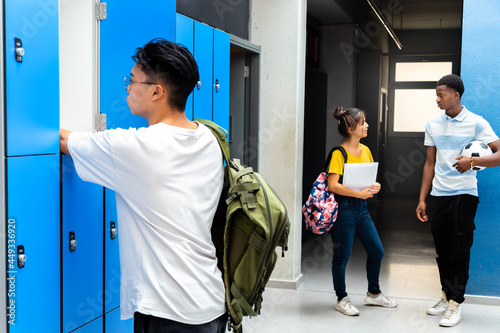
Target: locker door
column 33, row 222
column 112, row 258
column 221, row 85
column 95, row 326
column 184, row 34
column 203, row 54
column 113, row 324
column 129, row 24
column 82, row 207
column 32, row 85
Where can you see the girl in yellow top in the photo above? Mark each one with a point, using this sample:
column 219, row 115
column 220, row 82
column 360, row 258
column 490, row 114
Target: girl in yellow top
column 353, row 218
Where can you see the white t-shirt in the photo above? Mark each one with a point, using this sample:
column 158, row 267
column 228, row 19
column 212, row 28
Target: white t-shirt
column 167, row 181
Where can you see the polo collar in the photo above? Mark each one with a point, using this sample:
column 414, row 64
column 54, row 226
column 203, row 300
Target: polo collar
column 460, row 117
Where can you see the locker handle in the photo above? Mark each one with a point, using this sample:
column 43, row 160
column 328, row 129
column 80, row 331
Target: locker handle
column 21, row 256
column 198, row 85
column 113, row 230
column 19, row 50
column 217, row 85
column 72, row 241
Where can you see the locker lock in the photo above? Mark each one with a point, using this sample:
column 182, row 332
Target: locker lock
column 217, row 85
column 198, row 85
column 21, row 257
column 19, row 50
column 72, row 241
column 113, row 230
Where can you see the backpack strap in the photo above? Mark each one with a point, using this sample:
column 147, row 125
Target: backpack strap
column 220, row 134
column 329, row 158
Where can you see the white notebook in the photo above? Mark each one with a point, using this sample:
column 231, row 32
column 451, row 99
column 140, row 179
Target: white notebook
column 358, row 176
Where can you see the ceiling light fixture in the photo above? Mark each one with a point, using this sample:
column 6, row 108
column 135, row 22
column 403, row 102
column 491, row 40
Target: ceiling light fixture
column 386, row 24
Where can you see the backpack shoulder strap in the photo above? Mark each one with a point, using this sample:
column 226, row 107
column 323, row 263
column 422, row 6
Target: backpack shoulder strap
column 220, row 134
column 329, row 158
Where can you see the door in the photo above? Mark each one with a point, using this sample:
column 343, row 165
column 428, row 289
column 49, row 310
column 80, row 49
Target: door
column 129, row 24
column 113, row 323
column 220, row 80
column 184, row 35
column 32, row 124
column 82, row 248
column 203, row 54
column 412, row 103
column 111, row 253
column 95, row 326
column 33, row 270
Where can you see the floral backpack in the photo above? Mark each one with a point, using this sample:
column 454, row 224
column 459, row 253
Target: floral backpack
column 320, row 209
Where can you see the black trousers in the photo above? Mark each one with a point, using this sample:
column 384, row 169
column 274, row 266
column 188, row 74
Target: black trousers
column 150, row 324
column 452, row 219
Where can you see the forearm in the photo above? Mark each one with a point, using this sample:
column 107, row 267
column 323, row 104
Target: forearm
column 340, row 189
column 427, row 177
column 490, row 161
column 63, row 135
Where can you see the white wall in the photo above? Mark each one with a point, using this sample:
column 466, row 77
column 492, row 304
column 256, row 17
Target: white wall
column 78, row 65
column 279, row 27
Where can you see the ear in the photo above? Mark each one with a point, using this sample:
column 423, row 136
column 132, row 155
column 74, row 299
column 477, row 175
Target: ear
column 159, row 92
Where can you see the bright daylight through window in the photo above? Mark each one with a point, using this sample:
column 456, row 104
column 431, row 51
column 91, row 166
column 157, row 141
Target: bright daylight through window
column 413, row 108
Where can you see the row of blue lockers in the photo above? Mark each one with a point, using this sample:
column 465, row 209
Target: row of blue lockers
column 62, row 244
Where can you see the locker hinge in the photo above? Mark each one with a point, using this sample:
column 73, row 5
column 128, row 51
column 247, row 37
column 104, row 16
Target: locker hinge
column 100, row 122
column 247, row 71
column 101, row 11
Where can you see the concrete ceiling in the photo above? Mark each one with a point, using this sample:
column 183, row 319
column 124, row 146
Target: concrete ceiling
column 401, row 14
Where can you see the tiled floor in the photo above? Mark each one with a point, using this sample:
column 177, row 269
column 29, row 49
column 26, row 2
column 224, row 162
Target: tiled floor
column 409, row 275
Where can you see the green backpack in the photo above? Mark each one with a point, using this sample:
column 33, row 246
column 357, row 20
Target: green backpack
column 250, row 222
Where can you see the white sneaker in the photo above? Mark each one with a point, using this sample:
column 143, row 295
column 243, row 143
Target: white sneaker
column 346, row 307
column 453, row 314
column 439, row 308
column 380, row 300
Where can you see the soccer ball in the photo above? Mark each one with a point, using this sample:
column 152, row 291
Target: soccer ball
column 476, row 149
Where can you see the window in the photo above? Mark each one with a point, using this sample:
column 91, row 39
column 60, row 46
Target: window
column 414, row 94
column 421, row 71
column 413, row 108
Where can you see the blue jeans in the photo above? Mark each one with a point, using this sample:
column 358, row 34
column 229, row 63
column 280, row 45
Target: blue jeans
column 150, row 324
column 353, row 219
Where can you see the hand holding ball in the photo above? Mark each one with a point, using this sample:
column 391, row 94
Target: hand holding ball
column 477, row 149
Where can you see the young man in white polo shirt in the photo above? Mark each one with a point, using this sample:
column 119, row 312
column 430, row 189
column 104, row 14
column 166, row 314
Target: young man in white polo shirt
column 453, row 200
column 167, row 178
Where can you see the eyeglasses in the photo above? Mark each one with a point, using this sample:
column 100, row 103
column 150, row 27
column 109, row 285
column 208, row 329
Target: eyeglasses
column 127, row 80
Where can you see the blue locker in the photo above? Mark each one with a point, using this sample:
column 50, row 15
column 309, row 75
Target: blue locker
column 95, row 326
column 113, row 324
column 112, row 257
column 184, row 34
column 222, row 56
column 32, row 80
column 82, row 207
column 129, row 24
column 33, row 222
column 203, row 54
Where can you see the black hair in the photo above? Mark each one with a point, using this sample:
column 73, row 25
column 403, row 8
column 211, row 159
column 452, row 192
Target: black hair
column 170, row 64
column 348, row 118
column 452, row 81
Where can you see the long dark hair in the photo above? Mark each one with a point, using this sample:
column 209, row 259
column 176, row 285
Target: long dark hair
column 348, row 118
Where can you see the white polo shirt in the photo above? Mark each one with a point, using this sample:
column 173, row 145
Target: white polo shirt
column 167, row 181
column 450, row 136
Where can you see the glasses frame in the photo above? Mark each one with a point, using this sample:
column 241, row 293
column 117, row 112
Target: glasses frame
column 127, row 81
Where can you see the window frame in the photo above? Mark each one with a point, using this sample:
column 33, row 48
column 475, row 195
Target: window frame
column 393, row 86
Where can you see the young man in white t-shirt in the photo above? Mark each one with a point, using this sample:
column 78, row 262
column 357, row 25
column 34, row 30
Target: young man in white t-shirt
column 167, row 178
column 454, row 198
